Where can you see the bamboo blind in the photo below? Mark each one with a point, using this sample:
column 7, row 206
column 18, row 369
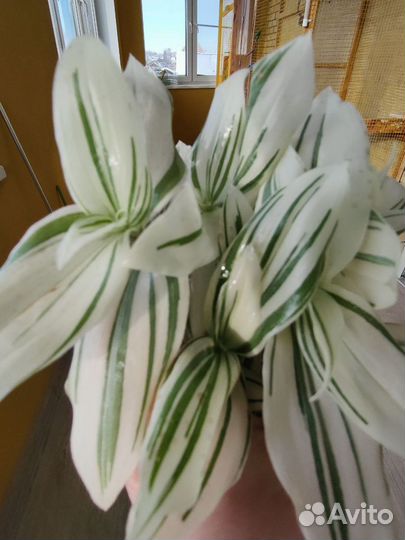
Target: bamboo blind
column 359, row 52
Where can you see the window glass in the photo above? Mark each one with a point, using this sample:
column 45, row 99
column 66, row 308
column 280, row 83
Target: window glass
column 165, row 36
column 207, row 45
column 208, row 12
column 71, row 19
column 67, row 21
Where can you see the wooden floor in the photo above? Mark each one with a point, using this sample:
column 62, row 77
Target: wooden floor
column 48, row 501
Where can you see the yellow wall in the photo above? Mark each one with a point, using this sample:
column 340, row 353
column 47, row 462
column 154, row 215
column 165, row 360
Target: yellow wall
column 130, row 29
column 191, row 107
column 27, row 60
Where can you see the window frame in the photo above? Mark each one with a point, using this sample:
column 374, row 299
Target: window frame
column 192, row 79
column 90, row 17
column 85, row 24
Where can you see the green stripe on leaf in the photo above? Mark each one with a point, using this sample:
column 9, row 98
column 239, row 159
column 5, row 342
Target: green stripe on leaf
column 317, row 145
column 113, row 383
column 368, row 317
column 170, row 180
column 151, row 351
column 181, row 240
column 48, row 231
column 90, row 309
column 287, row 312
column 261, row 74
column 375, row 259
column 88, row 132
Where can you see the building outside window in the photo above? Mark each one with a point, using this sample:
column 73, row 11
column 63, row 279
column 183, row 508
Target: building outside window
column 181, row 40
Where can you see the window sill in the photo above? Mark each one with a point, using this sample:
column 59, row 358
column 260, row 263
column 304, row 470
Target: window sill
column 189, row 86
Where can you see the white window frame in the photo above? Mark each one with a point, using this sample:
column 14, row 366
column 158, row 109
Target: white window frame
column 91, row 17
column 84, row 17
column 192, row 79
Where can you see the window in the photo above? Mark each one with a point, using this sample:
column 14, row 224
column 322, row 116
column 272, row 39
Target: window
column 70, row 19
column 181, row 40
column 73, row 18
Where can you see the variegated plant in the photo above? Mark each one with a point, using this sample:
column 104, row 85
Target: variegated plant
column 286, row 238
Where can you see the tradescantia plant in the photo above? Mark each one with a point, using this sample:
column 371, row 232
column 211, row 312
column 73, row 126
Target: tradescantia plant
column 286, row 238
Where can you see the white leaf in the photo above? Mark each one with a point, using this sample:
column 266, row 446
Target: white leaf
column 223, row 471
column 100, row 133
column 165, row 166
column 319, row 332
column 156, row 110
column 373, row 271
column 367, row 389
column 85, row 231
column 370, row 372
column 184, row 151
column 64, row 306
column 215, row 153
column 238, row 309
column 236, row 212
column 389, row 200
column 318, row 455
column 185, row 424
column 38, row 244
column 177, row 241
column 288, row 169
column 352, row 224
column 275, row 109
column 334, row 131
column 113, row 380
column 290, row 236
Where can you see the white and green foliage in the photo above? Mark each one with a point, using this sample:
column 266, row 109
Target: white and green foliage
column 198, row 285
column 244, row 137
column 70, row 278
column 275, row 264
column 191, row 422
column 335, row 462
column 129, row 352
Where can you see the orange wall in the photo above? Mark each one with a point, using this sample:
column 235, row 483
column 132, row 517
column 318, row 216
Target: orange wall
column 130, row 29
column 27, row 61
column 191, row 106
